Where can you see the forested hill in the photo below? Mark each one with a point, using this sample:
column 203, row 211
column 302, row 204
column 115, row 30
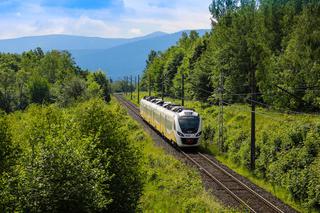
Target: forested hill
column 116, row 56
column 278, row 41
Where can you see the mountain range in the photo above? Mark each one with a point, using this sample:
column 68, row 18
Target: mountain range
column 118, row 57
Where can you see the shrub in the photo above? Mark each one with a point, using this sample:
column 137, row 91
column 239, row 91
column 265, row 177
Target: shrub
column 6, row 149
column 314, row 185
column 108, row 127
column 78, row 159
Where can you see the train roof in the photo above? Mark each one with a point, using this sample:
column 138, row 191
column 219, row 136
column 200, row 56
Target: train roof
column 168, row 105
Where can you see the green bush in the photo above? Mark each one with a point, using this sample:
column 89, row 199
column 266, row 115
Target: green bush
column 314, row 185
column 78, row 159
column 8, row 156
column 108, row 127
column 6, row 149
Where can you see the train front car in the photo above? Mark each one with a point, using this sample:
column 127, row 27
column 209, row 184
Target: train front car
column 188, row 128
column 178, row 124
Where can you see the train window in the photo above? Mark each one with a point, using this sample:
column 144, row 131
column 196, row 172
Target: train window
column 189, row 124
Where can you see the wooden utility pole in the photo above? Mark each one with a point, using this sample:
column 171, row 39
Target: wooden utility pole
column 253, row 119
column 182, row 90
column 135, row 83
column 125, row 85
column 138, row 89
column 110, row 87
column 131, row 87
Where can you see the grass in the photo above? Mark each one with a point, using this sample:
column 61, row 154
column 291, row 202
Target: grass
column 170, row 185
column 270, row 124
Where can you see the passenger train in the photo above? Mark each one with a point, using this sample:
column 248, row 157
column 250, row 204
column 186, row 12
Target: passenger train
column 178, row 124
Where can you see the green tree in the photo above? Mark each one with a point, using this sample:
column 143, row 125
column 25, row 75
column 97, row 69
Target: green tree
column 297, row 69
column 22, row 78
column 173, row 62
column 56, row 66
column 7, row 98
column 107, row 126
column 103, row 82
column 39, row 91
column 219, row 8
column 153, row 74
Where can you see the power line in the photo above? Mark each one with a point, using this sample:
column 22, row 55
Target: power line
column 244, row 95
column 278, row 109
column 275, row 108
column 260, row 113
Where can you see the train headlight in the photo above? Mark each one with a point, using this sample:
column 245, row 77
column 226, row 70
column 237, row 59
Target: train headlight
column 197, row 135
column 180, row 134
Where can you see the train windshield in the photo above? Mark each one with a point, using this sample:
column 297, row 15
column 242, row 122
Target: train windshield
column 189, row 124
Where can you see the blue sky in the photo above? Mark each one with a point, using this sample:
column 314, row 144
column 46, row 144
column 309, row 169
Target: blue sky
column 102, row 18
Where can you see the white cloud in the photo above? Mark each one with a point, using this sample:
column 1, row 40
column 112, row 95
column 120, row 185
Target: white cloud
column 81, row 26
column 182, row 15
column 138, row 17
column 87, row 26
column 135, row 31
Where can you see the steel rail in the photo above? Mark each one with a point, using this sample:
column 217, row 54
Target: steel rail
column 218, row 182
column 268, row 203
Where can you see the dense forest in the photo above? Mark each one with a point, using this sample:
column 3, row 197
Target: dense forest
column 277, row 42
column 44, row 78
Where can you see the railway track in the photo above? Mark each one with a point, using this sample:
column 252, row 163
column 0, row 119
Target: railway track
column 132, row 107
column 247, row 198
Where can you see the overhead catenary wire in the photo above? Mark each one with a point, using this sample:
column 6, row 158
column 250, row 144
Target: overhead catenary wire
column 286, row 110
column 278, row 110
column 257, row 93
column 213, row 93
column 260, row 113
column 263, row 104
column 165, row 81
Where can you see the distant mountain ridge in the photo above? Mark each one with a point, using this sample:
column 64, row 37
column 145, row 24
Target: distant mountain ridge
column 66, row 42
column 117, row 56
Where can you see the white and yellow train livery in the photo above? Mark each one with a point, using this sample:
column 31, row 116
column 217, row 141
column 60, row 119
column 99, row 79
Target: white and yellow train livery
column 178, row 124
